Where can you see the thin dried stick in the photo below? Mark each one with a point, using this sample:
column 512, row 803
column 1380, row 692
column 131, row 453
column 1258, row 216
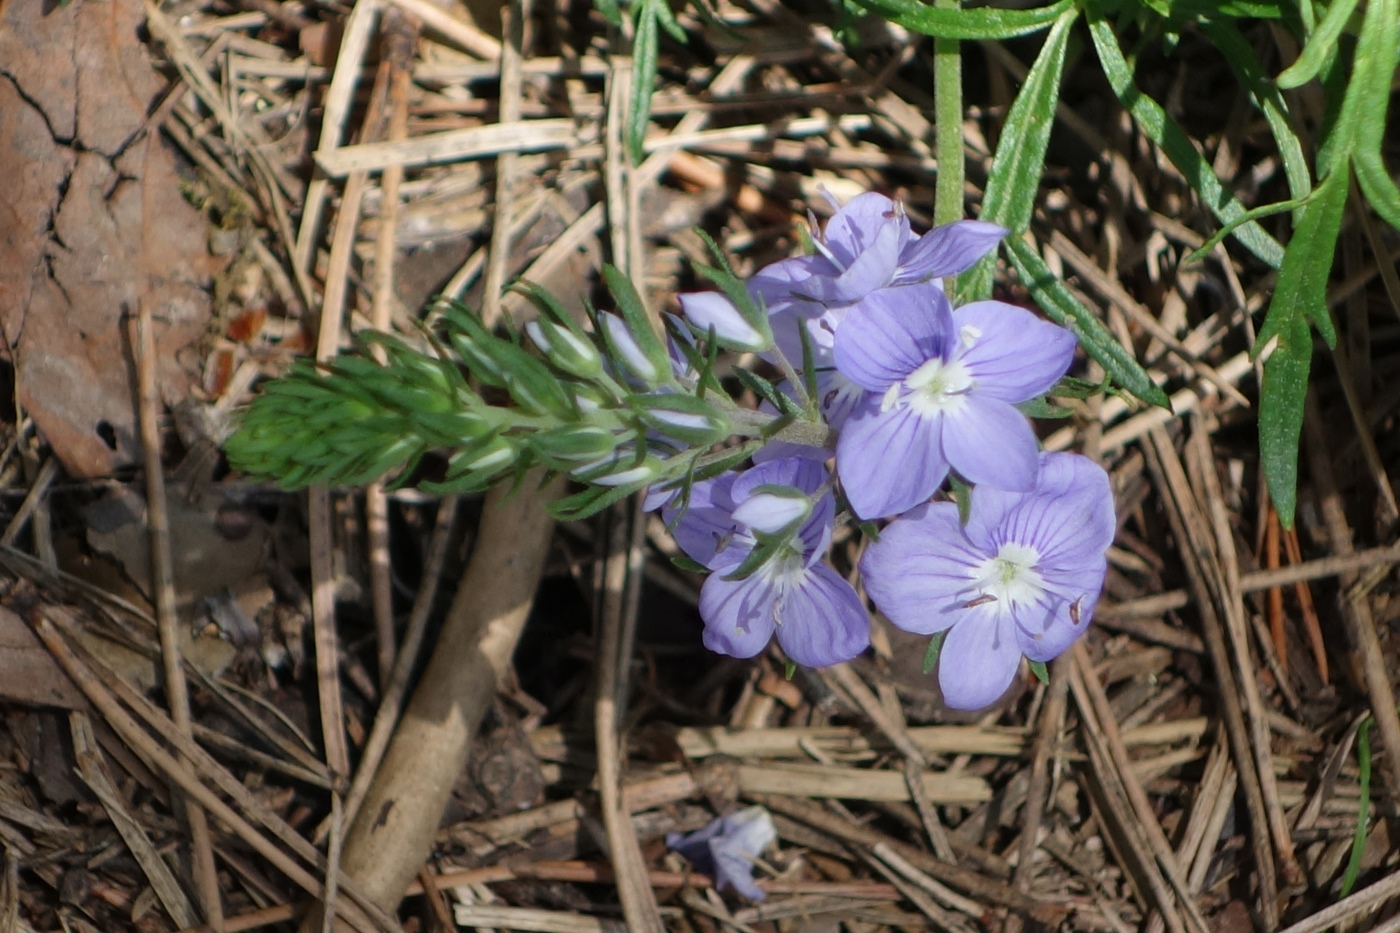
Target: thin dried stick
column 978, row 886
column 163, row 587
column 400, row 34
column 94, row 775
column 623, row 571
column 1052, row 723
column 160, row 760
column 1336, row 565
column 513, row 19
column 1180, row 505
column 349, row 60
column 897, row 731
column 32, row 500
column 1305, row 604
column 1131, row 809
column 1232, row 601
column 1272, row 554
column 1356, row 612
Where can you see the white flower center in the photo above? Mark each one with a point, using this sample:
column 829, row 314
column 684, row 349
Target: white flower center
column 1010, row 578
column 937, row 387
column 783, row 573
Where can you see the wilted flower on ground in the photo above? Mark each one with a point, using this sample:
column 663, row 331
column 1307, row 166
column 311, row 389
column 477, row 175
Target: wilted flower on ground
column 1020, row 579
column 942, row 389
column 780, row 505
column 727, row 847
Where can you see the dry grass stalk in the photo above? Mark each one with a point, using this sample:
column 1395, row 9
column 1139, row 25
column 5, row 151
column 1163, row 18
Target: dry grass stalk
column 163, row 584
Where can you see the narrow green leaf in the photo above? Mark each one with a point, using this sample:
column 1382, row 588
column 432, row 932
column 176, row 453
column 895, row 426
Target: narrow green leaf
column 1301, row 291
column 981, row 23
column 610, row 10
column 590, row 502
column 1321, row 44
column 1363, row 807
column 1378, row 187
column 1249, row 216
column 1177, row 146
column 1014, row 179
column 644, row 52
column 790, row 671
column 1281, row 400
column 1059, row 303
column 1041, row 673
column 687, row 564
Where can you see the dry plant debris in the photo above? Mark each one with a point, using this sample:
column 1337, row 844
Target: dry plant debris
column 265, row 179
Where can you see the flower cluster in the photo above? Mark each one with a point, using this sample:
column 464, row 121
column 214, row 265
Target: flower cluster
column 914, row 390
column 888, row 403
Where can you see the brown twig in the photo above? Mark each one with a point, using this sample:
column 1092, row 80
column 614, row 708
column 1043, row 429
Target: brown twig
column 621, row 588
column 1356, row 612
column 1176, row 494
column 163, row 590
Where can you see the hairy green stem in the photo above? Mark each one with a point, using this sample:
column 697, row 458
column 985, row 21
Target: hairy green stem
column 948, row 112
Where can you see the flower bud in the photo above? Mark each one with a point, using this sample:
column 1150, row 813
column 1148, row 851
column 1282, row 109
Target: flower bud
column 685, row 418
column 773, row 512
column 628, row 354
column 574, row 444
column 619, row 468
column 566, row 349
column 706, row 310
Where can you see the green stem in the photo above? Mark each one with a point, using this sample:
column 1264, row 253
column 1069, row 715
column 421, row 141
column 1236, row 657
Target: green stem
column 948, row 111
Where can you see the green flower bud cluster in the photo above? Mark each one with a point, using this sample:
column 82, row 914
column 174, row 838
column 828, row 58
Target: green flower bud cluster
column 613, row 406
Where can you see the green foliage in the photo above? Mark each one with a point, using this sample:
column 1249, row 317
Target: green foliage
column 1363, row 806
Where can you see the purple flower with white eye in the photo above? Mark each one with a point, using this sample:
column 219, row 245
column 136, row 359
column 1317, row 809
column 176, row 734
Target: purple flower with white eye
column 727, row 847
column 942, row 389
column 1020, row 579
column 784, row 505
column 867, row 247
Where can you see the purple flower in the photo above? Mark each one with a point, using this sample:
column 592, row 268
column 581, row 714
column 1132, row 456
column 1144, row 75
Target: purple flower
column 782, row 505
column 943, row 385
column 727, row 847
column 1021, row 578
column 868, row 246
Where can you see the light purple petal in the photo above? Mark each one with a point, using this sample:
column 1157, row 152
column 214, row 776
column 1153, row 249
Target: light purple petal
column 979, row 659
column 1013, row 355
column 1045, row 635
column 888, row 462
column 871, row 269
column 707, row 532
column 851, row 230
column 746, row 834
column 821, row 333
column 988, row 441
column 892, row 333
column 738, row 614
column 948, row 250
column 773, row 286
column 1068, row 518
column 822, row 620
column 713, row 309
column 798, row 473
column 920, row 572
